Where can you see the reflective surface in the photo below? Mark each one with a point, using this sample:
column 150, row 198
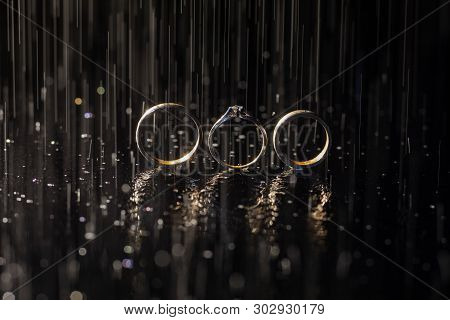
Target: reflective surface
column 83, row 215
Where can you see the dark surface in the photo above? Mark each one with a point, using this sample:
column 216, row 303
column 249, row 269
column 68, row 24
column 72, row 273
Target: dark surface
column 66, row 201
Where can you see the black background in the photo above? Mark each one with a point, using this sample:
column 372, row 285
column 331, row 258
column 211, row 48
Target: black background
column 377, row 72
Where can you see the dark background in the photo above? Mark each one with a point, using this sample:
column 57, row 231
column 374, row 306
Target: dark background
column 375, row 72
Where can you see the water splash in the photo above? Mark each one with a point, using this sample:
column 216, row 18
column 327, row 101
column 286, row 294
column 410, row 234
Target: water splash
column 142, row 188
column 319, row 198
column 263, row 214
column 199, row 200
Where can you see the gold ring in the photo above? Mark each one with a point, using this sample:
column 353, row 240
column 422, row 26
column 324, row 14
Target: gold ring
column 307, row 115
column 148, row 156
column 236, row 112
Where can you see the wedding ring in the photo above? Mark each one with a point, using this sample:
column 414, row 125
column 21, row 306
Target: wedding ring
column 305, row 114
column 232, row 113
column 169, row 108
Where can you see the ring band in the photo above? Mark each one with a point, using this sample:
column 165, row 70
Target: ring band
column 231, row 113
column 307, row 115
column 148, row 156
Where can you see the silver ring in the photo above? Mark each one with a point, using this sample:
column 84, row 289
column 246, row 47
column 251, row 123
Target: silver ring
column 231, row 113
column 148, row 156
column 316, row 159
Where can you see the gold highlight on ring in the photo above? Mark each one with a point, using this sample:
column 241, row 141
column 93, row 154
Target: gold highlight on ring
column 306, row 114
column 152, row 111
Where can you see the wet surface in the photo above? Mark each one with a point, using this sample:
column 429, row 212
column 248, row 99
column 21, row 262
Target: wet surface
column 82, row 213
